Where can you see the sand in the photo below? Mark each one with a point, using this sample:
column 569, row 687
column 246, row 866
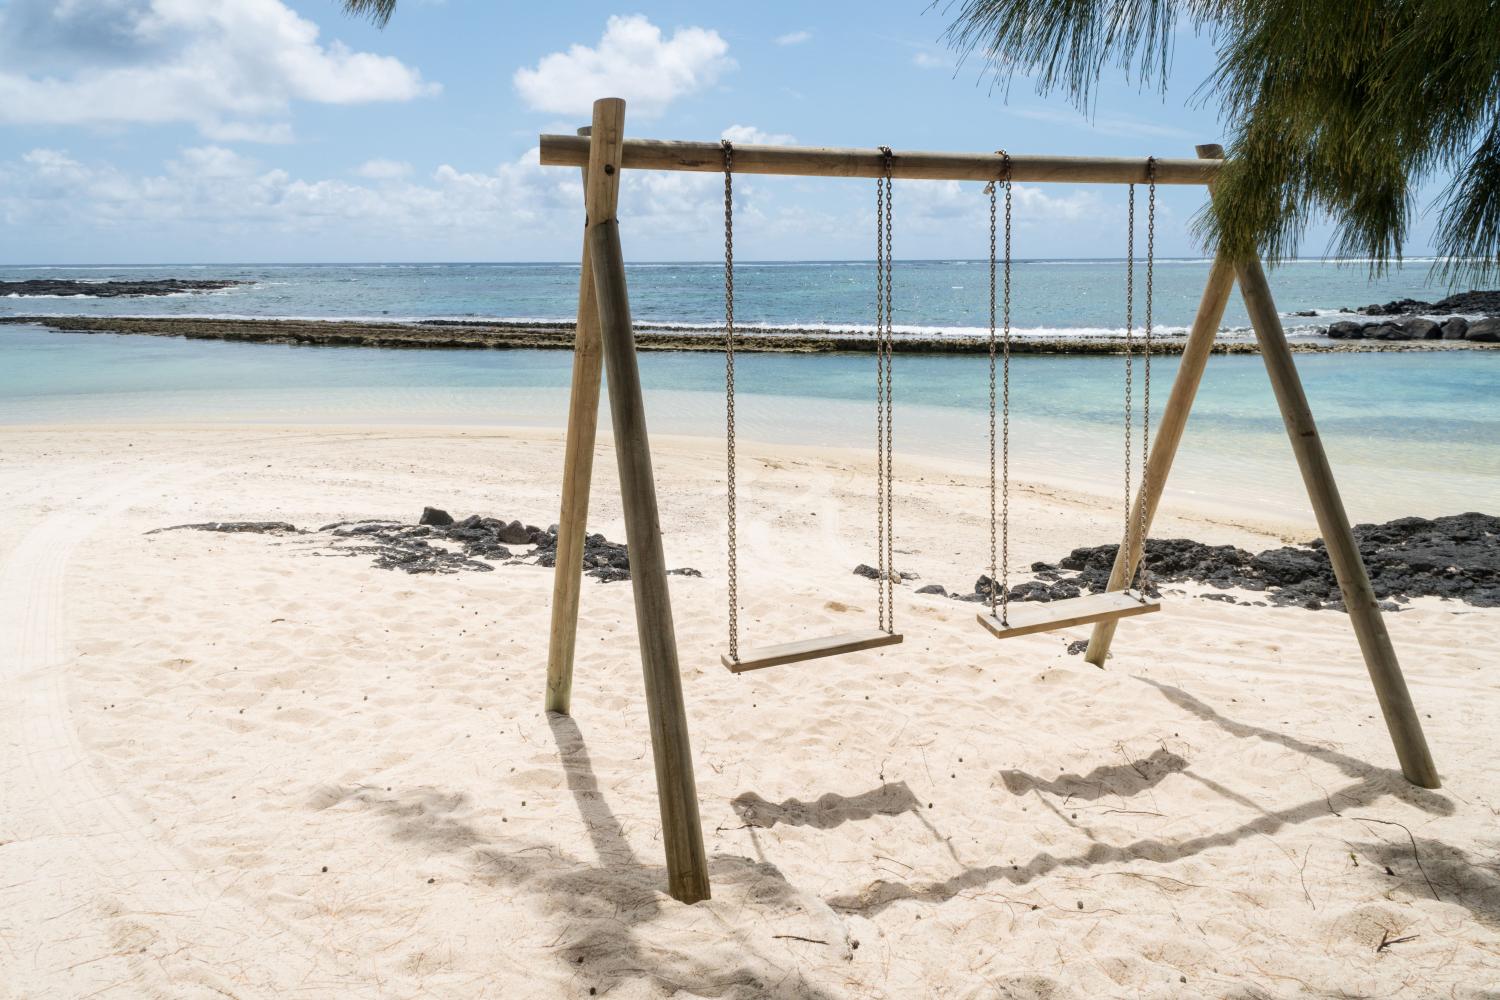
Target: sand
column 240, row 766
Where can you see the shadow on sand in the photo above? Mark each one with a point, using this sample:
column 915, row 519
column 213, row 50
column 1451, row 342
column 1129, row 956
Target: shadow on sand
column 1467, row 882
column 604, row 911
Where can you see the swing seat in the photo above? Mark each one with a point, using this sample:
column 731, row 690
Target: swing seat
column 808, row 649
column 1027, row 617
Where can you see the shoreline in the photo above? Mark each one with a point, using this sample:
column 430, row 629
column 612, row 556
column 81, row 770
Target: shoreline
column 541, row 335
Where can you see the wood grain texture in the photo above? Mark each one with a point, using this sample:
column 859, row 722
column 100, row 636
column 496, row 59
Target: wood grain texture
column 760, row 657
column 1028, row 617
column 1338, row 538
column 811, row 161
column 682, row 832
column 578, row 469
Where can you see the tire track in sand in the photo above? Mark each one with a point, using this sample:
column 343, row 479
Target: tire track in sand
column 93, row 898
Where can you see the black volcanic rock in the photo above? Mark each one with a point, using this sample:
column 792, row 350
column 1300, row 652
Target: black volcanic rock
column 1455, row 557
column 115, row 289
column 1476, row 302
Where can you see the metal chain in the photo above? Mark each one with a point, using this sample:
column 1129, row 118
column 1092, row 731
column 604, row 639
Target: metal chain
column 1144, row 583
column 1005, row 421
column 1000, row 575
column 890, row 422
column 1129, row 349
column 989, row 189
column 734, row 570
column 880, row 397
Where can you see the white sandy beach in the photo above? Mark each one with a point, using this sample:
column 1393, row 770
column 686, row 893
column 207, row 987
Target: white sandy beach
column 235, row 766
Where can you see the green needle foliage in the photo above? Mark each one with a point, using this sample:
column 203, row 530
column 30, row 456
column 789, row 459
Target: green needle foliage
column 379, row 11
column 1336, row 107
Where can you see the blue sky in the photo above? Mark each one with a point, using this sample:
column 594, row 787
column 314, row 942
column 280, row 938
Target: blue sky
column 139, row 131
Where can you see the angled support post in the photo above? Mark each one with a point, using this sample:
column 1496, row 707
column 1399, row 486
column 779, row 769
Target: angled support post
column 578, row 457
column 1338, row 538
column 682, row 831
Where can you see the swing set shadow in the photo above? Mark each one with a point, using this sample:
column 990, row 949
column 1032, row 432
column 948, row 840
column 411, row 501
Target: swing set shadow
column 605, row 341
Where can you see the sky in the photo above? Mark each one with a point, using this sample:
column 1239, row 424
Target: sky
column 217, row 131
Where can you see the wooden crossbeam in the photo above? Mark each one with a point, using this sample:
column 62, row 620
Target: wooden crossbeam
column 823, row 161
column 1027, row 617
column 808, row 649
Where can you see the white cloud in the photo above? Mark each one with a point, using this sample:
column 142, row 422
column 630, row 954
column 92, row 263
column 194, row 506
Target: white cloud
column 210, row 202
column 1122, row 125
column 794, row 38
column 632, row 61
column 923, row 59
column 230, row 67
column 950, row 206
column 383, row 170
column 750, row 135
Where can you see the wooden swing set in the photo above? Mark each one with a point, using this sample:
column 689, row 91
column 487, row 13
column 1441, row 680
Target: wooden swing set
column 605, row 340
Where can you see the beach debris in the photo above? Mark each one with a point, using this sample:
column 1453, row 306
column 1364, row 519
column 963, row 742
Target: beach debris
column 1386, row 940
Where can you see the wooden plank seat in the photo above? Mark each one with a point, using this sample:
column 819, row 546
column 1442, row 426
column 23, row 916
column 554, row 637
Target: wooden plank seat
column 808, row 649
column 1027, row 617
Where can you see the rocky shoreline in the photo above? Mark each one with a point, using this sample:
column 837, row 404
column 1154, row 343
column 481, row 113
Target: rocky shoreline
column 438, row 543
column 1413, row 320
column 503, row 335
column 1455, row 558
column 69, row 288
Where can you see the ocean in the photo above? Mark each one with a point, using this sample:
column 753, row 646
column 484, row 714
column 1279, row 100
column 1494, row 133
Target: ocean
column 1050, row 297
column 1408, row 433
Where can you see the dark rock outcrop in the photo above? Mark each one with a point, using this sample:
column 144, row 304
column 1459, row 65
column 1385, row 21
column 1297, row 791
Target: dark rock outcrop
column 1476, row 302
column 1456, row 328
column 1418, row 328
column 439, row 544
column 435, row 516
column 236, row 528
column 113, row 289
column 1456, row 557
column 1484, row 331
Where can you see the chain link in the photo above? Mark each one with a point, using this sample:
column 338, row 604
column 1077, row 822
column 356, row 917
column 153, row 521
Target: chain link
column 1000, row 574
column 1129, row 349
column 890, row 422
column 1142, row 498
column 994, row 571
column 884, row 395
column 734, row 571
column 1005, row 421
column 880, row 398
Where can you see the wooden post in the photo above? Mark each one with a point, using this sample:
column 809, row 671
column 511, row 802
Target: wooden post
column 682, row 831
column 1338, row 537
column 868, row 161
column 578, row 460
column 1174, row 418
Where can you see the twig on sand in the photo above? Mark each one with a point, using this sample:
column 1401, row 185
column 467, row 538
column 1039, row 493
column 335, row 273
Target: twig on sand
column 798, row 937
column 1414, row 853
column 1386, row 940
column 1302, row 875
